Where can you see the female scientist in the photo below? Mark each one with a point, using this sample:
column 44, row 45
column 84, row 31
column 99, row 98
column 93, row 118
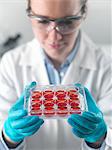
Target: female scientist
column 60, row 54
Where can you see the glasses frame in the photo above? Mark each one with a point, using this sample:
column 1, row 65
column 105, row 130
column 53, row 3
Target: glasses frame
column 76, row 17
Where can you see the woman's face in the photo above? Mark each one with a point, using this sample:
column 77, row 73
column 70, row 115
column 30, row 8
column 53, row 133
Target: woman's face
column 55, row 44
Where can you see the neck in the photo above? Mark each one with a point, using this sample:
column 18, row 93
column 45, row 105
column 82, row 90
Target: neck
column 57, row 63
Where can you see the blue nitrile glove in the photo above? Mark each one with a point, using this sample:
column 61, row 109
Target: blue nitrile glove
column 90, row 125
column 18, row 124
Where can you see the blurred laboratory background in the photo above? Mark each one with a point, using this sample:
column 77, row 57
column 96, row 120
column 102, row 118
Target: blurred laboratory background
column 15, row 27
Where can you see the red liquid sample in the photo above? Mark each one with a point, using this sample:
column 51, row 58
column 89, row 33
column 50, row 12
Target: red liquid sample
column 36, row 94
column 55, row 103
column 48, row 94
column 60, row 94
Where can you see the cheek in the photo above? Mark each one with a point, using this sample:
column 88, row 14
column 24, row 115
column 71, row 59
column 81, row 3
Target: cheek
column 39, row 35
column 70, row 39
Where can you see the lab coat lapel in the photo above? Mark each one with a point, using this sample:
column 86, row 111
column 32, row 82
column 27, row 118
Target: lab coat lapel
column 32, row 58
column 72, row 75
column 85, row 59
column 40, row 74
column 39, row 70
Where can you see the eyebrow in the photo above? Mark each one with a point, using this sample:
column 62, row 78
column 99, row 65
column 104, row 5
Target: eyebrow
column 34, row 14
column 45, row 17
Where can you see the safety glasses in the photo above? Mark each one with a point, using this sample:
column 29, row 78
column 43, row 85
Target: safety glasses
column 65, row 25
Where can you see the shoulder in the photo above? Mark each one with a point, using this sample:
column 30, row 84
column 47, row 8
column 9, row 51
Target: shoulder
column 15, row 55
column 95, row 54
column 102, row 57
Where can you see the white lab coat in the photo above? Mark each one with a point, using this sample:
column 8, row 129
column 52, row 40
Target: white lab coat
column 90, row 67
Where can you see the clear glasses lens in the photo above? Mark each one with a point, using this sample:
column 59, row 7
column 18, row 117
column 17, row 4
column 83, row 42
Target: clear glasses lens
column 64, row 26
column 68, row 26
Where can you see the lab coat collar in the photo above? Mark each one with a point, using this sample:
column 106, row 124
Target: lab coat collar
column 32, row 56
column 85, row 57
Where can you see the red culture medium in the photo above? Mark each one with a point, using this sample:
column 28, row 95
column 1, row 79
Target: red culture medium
column 50, row 103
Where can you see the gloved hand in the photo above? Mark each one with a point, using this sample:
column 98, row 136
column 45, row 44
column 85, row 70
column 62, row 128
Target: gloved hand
column 18, row 125
column 90, row 125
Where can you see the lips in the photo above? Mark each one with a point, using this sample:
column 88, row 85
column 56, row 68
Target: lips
column 55, row 46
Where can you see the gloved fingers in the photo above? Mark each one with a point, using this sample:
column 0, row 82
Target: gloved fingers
column 81, row 121
column 18, row 114
column 93, row 136
column 8, row 131
column 83, row 131
column 78, row 133
column 80, row 128
column 78, row 85
column 95, row 118
column 31, row 132
column 32, row 85
column 28, row 89
column 24, row 122
column 31, row 128
column 92, row 106
column 18, row 135
column 100, row 132
column 18, row 104
column 14, row 108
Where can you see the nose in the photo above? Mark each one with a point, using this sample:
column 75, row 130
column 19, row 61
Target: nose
column 53, row 34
